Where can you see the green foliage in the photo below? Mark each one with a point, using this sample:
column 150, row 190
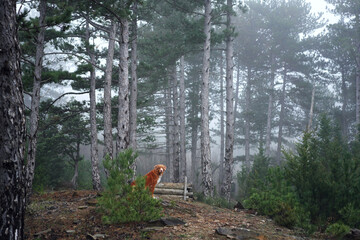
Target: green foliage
column 216, row 201
column 319, row 181
column 120, row 201
column 338, row 230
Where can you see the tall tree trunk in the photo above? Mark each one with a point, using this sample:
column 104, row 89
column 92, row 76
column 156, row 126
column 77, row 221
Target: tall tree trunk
column 74, row 180
column 311, row 113
column 194, row 124
column 108, row 138
column 236, row 98
column 205, row 132
column 222, row 127
column 344, row 92
column 247, row 119
column 281, row 119
column 176, row 149
column 182, row 120
column 169, row 131
column 229, row 140
column 122, row 141
column 94, row 139
column 270, row 106
column 35, row 100
column 12, row 130
column 133, row 86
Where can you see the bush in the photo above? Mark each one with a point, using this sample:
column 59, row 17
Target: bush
column 338, row 230
column 120, row 201
column 216, row 201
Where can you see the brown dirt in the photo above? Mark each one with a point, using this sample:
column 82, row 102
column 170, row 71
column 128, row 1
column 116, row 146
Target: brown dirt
column 73, row 215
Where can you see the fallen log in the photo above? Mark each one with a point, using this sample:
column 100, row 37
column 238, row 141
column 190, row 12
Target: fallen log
column 173, row 185
column 167, row 191
column 171, row 196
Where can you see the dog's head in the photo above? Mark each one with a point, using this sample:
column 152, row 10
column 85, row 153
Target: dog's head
column 160, row 169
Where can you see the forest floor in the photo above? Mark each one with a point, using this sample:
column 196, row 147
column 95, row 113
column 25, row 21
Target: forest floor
column 73, row 215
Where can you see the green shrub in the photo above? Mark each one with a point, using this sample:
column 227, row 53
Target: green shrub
column 338, row 230
column 120, row 201
column 214, row 201
column 351, row 215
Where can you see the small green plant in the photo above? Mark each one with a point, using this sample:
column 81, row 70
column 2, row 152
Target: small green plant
column 122, row 202
column 214, row 201
column 338, row 230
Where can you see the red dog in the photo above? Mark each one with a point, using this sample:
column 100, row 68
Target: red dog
column 153, row 177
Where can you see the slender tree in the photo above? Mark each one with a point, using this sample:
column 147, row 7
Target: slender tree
column 175, row 117
column 94, row 138
column 122, row 141
column 35, row 98
column 205, row 132
column 108, row 138
column 12, row 131
column 229, row 140
column 182, row 119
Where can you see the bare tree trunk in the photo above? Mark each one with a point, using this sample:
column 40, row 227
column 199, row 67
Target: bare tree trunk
column 176, row 148
column 270, row 106
column 247, row 119
column 205, row 132
column 229, row 140
column 12, row 130
column 108, row 138
column 122, row 141
column 222, row 128
column 35, row 100
column 94, row 139
column 236, row 98
column 311, row 113
column 182, row 120
column 74, row 180
column 281, row 120
column 133, row 86
column 169, row 131
column 344, row 92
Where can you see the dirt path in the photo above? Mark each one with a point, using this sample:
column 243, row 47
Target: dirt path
column 73, row 215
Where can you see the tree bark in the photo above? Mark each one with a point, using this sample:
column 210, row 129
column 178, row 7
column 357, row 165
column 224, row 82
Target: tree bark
column 169, row 131
column 123, row 135
column 270, row 106
column 247, row 119
column 229, row 140
column 205, row 132
column 281, row 118
column 35, row 100
column 94, row 139
column 12, row 131
column 133, row 86
column 222, row 128
column 176, row 148
column 344, row 92
column 182, row 120
column 108, row 138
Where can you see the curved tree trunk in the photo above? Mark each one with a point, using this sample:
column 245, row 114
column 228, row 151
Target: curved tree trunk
column 12, row 130
column 108, row 138
column 122, row 141
column 35, row 100
column 205, row 132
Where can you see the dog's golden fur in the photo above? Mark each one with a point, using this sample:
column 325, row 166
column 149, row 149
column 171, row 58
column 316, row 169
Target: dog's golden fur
column 153, row 177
